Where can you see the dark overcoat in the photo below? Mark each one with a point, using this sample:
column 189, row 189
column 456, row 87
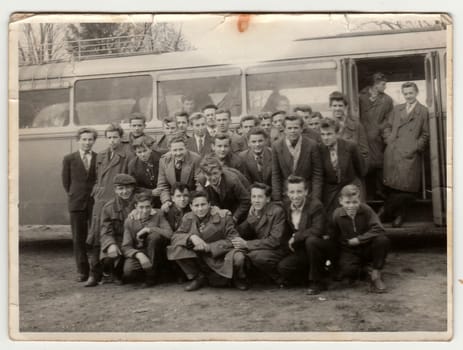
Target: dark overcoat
column 250, row 169
column 406, row 138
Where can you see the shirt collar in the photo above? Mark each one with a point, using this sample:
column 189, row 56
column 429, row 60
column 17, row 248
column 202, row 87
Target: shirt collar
column 293, row 208
column 298, row 143
column 82, row 153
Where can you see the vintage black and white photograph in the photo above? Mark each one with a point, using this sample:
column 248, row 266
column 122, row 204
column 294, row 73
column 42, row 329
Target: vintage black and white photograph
column 230, row 176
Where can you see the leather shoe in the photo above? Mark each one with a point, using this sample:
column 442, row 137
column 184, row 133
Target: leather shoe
column 196, row 284
column 377, row 284
column 91, row 282
column 241, row 284
column 316, row 288
column 81, row 277
column 398, row 221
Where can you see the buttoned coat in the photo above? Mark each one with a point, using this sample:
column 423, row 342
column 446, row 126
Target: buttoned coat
column 267, row 232
column 350, row 170
column 355, row 132
column 217, row 233
column 192, row 145
column 406, row 138
column 250, row 169
column 373, row 116
column 188, row 175
column 77, row 182
column 309, row 167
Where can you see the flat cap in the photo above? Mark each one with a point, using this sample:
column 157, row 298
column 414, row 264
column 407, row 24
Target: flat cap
column 124, row 179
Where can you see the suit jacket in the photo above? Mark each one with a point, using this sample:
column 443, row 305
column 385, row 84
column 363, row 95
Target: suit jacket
column 355, row 132
column 192, row 145
column 269, row 231
column 250, row 167
column 367, row 225
column 309, row 166
column 188, row 175
column 217, row 232
column 157, row 223
column 77, row 182
column 351, row 168
column 312, row 220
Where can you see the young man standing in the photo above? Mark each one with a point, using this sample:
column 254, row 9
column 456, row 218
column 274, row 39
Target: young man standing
column 296, row 155
column 223, row 120
column 278, row 128
column 221, row 148
column 181, row 119
column 248, row 122
column 144, row 242
column 169, row 127
column 360, row 236
column 257, row 159
column 201, row 140
column 350, row 130
column 177, row 165
column 180, row 196
column 406, row 135
column 264, row 232
column 310, row 246
column 375, row 107
column 342, row 163
column 137, row 129
column 209, row 111
column 202, row 246
column 78, row 177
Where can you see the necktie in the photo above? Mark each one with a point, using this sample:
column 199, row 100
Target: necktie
column 86, row 160
column 334, row 160
column 200, row 144
column 178, row 164
column 260, row 162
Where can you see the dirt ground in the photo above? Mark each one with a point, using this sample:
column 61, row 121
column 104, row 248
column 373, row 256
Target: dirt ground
column 50, row 300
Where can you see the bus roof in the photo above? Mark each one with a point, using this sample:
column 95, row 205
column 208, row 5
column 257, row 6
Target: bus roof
column 358, row 44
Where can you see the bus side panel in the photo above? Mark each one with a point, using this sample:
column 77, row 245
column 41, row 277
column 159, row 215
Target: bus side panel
column 42, row 199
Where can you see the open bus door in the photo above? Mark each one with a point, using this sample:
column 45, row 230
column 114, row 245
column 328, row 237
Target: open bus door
column 350, row 86
column 435, row 79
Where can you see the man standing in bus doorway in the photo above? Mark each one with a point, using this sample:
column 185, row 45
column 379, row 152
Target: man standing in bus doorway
column 109, row 163
column 406, row 135
column 351, row 130
column 78, row 177
column 375, row 106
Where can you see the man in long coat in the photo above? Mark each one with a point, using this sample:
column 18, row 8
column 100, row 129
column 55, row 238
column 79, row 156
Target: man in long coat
column 202, row 245
column 375, row 106
column 406, row 136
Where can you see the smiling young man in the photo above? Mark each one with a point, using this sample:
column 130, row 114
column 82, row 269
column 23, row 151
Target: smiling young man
column 137, row 123
column 209, row 112
column 78, row 177
column 222, row 150
column 223, row 121
column 264, row 232
column 309, row 244
column 169, row 128
column 201, row 140
column 257, row 159
column 295, row 155
column 202, row 246
column 360, row 236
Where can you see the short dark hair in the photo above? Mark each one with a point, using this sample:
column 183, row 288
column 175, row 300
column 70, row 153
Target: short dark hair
column 266, row 188
column 179, row 186
column 338, row 96
column 223, row 111
column 293, row 179
column 210, row 162
column 86, row 130
column 168, row 120
column 221, row 136
column 257, row 131
column 208, row 107
column 144, row 141
column 409, row 84
column 265, row 115
column 246, row 118
column 303, row 108
column 327, row 123
column 276, row 113
column 138, row 116
column 377, row 77
column 316, row 115
column 293, row 118
column 196, row 116
column 180, row 114
column 198, row 194
column 350, row 191
column 114, row 127
column 177, row 137
column 143, row 196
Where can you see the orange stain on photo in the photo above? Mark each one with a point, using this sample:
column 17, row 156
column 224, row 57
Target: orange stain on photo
column 243, row 22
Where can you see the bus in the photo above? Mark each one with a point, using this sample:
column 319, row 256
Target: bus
column 57, row 98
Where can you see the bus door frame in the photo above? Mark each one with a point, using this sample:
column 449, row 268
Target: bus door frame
column 437, row 139
column 349, row 75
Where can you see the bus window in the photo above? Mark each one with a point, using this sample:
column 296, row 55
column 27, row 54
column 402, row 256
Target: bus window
column 269, row 92
column 190, row 95
column 109, row 100
column 43, row 108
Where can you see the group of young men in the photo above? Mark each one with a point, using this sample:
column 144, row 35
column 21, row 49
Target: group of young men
column 283, row 198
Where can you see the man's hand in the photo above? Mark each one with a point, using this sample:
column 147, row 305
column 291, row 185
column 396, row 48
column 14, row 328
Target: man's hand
column 239, row 243
column 326, row 237
column 290, row 244
column 113, row 251
column 156, row 192
column 353, row 242
column 165, row 206
column 222, row 212
column 199, row 244
column 143, row 232
column 135, row 215
column 144, row 261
